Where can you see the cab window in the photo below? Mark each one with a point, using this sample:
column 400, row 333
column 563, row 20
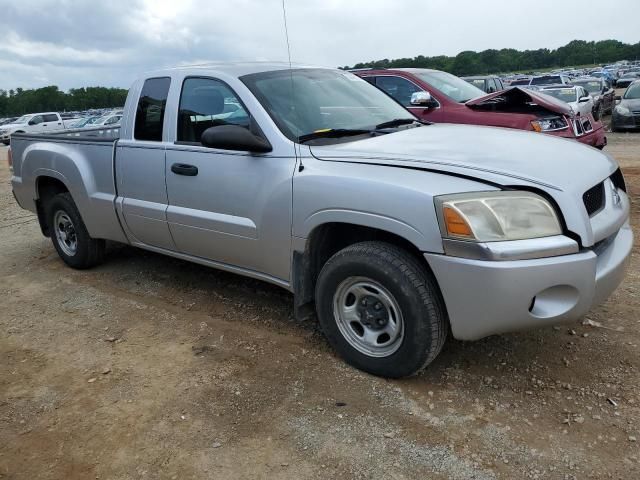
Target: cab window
column 205, row 103
column 151, row 107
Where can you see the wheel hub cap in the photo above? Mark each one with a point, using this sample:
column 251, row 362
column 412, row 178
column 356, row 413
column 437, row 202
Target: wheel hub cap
column 65, row 233
column 368, row 317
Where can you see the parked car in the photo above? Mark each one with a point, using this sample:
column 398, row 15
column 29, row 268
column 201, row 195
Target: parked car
column 550, row 80
column 626, row 114
column 603, row 95
column 32, row 123
column 627, row 79
column 308, row 187
column 487, row 83
column 84, row 122
column 6, row 121
column 519, row 82
column 609, row 77
column 107, row 121
column 575, row 96
column 435, row 96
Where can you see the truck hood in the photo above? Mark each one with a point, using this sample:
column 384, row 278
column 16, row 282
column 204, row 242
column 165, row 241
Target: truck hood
column 498, row 155
column 562, row 168
column 515, row 96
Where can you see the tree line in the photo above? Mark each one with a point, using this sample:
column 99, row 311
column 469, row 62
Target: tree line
column 575, row 53
column 51, row 99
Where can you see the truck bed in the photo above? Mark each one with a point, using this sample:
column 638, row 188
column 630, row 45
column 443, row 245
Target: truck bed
column 82, row 160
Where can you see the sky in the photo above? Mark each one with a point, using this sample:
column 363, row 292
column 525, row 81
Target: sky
column 76, row 43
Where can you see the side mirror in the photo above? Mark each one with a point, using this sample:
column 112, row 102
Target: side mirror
column 423, row 99
column 618, row 98
column 234, row 137
column 32, row 122
column 583, row 99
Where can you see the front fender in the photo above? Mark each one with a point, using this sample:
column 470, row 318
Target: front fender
column 371, row 220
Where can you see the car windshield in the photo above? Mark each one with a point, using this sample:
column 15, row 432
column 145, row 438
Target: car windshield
column 478, row 82
column 453, row 87
column 592, row 86
column 307, row 101
column 633, row 92
column 564, row 94
column 520, row 82
column 23, row 119
column 546, row 80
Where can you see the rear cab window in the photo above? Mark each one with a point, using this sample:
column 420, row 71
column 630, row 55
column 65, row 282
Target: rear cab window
column 51, row 117
column 151, row 109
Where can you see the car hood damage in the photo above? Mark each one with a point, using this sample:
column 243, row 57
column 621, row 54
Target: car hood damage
column 496, row 155
column 520, row 100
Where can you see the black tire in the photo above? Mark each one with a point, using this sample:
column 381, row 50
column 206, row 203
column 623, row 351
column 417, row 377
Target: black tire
column 89, row 251
column 412, row 286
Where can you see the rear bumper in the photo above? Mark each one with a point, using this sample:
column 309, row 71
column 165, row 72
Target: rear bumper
column 489, row 297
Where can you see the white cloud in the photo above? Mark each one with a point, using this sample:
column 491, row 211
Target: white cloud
column 78, row 43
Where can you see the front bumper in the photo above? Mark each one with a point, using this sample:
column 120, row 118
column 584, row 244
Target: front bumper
column 595, row 138
column 626, row 122
column 489, row 297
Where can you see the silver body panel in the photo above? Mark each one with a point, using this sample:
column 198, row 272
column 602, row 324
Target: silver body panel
column 249, row 213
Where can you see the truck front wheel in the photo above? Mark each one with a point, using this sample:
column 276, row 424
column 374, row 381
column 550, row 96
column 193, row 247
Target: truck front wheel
column 381, row 309
column 69, row 234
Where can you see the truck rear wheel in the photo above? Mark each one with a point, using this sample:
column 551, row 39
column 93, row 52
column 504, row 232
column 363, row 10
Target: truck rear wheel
column 69, row 234
column 381, row 309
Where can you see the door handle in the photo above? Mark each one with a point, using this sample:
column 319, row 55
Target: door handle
column 184, row 169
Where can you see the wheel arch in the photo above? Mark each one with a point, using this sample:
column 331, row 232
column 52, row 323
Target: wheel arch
column 322, row 243
column 47, row 186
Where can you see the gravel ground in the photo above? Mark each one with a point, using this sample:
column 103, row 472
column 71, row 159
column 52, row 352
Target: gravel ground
column 150, row 367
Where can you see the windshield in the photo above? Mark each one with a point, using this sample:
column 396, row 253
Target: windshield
column 565, row 94
column 306, row 101
column 633, row 91
column 453, row 87
column 23, row 119
column 592, row 86
column 546, row 80
column 477, row 82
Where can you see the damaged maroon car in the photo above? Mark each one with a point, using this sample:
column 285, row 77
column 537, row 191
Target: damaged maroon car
column 440, row 97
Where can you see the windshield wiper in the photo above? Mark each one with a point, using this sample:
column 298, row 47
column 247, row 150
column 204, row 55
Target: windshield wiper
column 395, row 123
column 332, row 133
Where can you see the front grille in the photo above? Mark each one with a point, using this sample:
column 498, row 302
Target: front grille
column 618, row 180
column 594, row 199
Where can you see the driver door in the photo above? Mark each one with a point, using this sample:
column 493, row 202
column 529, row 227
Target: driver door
column 230, row 207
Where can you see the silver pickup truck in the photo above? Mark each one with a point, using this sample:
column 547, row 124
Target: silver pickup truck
column 395, row 231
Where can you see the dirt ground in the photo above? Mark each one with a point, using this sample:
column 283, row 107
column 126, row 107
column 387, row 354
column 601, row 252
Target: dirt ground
column 153, row 368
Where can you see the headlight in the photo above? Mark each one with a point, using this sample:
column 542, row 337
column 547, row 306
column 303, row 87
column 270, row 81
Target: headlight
column 549, row 124
column 622, row 110
column 496, row 216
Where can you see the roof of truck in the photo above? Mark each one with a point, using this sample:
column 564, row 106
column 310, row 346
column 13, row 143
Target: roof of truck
column 239, row 69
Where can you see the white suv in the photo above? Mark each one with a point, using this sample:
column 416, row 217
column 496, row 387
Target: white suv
column 32, row 123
